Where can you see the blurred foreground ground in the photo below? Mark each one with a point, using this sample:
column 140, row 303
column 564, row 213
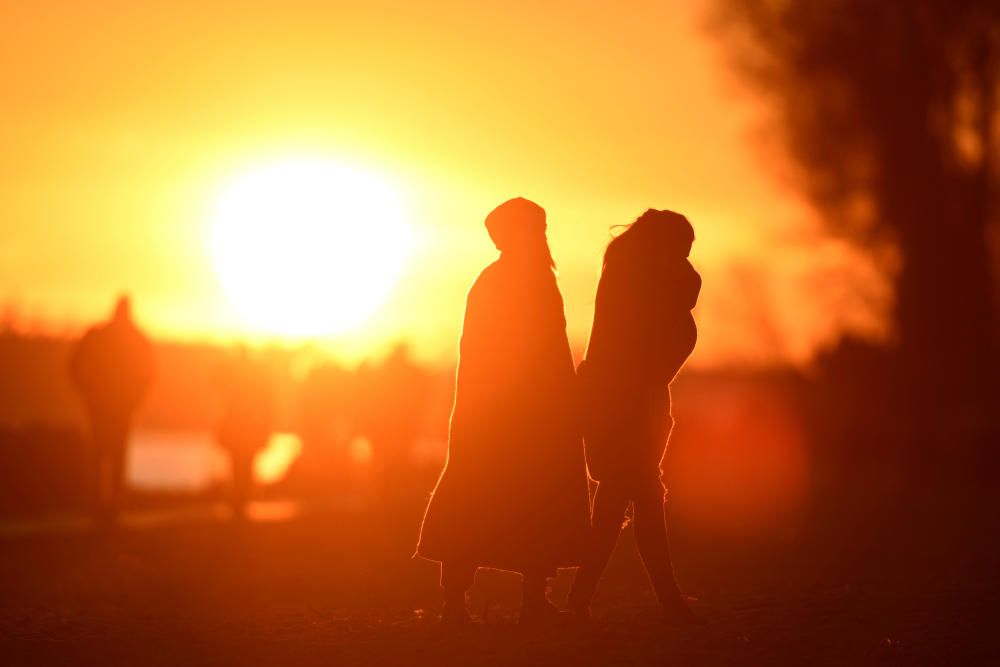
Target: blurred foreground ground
column 334, row 587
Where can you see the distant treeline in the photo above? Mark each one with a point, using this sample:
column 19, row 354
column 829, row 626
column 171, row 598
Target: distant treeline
column 35, row 387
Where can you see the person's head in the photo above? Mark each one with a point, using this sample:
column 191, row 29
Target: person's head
column 123, row 309
column 655, row 235
column 517, row 228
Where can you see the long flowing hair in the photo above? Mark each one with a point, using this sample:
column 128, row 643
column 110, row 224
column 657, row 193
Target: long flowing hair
column 643, row 243
column 534, row 250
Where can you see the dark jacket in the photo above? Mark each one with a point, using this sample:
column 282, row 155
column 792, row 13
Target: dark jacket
column 643, row 333
column 112, row 367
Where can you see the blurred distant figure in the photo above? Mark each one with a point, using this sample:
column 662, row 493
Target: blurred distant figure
column 112, row 368
column 513, row 494
column 642, row 334
column 247, row 420
column 394, row 403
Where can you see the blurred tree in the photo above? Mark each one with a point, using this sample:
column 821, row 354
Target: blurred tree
column 889, row 113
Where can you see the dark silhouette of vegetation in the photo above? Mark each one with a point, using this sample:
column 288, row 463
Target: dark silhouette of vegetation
column 889, row 113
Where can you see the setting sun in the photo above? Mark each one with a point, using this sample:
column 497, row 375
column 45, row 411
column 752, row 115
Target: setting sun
column 307, row 247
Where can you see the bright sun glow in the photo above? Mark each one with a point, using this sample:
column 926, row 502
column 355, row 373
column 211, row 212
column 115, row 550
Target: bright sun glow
column 308, row 247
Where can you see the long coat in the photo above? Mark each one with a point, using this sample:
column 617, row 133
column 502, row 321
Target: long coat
column 513, row 494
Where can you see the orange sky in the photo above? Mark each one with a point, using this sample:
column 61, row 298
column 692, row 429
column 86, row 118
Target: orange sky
column 121, row 121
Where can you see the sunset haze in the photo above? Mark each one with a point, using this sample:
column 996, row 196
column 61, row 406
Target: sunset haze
column 123, row 123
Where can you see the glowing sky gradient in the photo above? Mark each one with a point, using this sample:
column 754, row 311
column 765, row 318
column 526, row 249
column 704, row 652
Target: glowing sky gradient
column 122, row 121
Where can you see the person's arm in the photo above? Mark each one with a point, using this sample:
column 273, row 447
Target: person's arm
column 676, row 333
column 689, row 286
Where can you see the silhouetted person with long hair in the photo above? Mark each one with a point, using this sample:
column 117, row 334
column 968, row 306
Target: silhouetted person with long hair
column 513, row 493
column 247, row 421
column 112, row 368
column 643, row 332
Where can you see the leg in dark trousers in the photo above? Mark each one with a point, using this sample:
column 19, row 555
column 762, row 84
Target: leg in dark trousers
column 242, row 462
column 117, row 464
column 116, row 449
column 110, row 438
column 456, row 579
column 533, row 588
column 652, row 540
column 610, row 504
column 96, row 484
column 535, row 605
column 654, row 547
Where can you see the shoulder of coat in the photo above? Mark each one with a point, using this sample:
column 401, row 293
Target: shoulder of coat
column 488, row 278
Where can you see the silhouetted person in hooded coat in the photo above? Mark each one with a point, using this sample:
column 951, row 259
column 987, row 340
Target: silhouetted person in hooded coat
column 513, row 494
column 112, row 368
column 247, row 421
column 642, row 334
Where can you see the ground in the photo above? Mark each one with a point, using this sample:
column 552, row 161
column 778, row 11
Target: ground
column 338, row 587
